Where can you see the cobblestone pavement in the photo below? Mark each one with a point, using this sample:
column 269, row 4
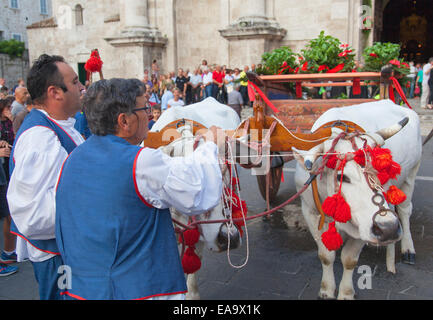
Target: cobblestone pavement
column 282, row 258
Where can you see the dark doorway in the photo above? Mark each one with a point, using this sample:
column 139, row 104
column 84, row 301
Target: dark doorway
column 82, row 74
column 410, row 23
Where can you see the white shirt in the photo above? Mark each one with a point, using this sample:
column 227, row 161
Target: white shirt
column 38, row 159
column 191, row 184
column 178, row 103
column 196, row 79
column 426, row 76
column 412, row 73
column 207, row 78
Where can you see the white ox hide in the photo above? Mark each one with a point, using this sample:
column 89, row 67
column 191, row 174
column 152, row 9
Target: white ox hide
column 214, row 237
column 406, row 150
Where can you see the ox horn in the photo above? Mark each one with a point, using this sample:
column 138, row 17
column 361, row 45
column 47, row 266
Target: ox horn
column 307, row 158
column 387, row 133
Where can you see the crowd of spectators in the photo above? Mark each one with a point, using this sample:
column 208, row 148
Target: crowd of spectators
column 228, row 86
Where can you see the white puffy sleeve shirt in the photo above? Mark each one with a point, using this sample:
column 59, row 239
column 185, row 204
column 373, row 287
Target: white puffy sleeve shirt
column 38, row 159
column 191, row 184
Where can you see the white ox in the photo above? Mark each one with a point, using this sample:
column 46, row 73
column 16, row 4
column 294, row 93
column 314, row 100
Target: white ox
column 212, row 236
column 406, row 150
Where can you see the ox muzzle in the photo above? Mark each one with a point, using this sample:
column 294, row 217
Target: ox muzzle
column 228, row 236
column 386, row 224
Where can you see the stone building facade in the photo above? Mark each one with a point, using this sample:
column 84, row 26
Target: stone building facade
column 15, row 16
column 180, row 33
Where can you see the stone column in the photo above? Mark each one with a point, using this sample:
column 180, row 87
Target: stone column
column 254, row 10
column 133, row 14
column 137, row 40
column 252, row 33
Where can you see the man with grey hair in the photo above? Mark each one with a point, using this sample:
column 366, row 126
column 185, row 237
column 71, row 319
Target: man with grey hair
column 235, row 99
column 22, row 98
column 123, row 218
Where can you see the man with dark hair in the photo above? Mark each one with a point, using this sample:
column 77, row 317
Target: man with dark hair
column 123, row 220
column 43, row 142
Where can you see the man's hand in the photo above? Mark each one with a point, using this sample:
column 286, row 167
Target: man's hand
column 4, row 144
column 216, row 135
column 5, row 152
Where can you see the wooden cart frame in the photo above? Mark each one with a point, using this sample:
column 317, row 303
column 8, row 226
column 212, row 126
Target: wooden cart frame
column 299, row 115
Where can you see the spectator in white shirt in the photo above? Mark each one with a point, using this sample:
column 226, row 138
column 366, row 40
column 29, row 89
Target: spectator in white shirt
column 207, row 83
column 425, row 86
column 176, row 101
column 196, row 82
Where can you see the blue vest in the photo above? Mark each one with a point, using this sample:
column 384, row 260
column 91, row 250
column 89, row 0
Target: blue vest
column 33, row 119
column 117, row 246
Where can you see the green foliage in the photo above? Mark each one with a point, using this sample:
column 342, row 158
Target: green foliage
column 381, row 54
column 326, row 51
column 13, row 48
column 274, row 60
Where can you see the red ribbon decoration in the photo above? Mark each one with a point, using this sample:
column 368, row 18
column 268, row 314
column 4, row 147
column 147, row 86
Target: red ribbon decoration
column 298, row 89
column 356, row 86
column 251, row 93
column 400, row 91
column 264, row 97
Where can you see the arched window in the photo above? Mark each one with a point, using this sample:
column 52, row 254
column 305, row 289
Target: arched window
column 78, row 15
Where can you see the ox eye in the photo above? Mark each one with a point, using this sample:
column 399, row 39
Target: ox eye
column 345, row 178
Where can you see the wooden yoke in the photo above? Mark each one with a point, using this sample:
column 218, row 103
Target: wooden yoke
column 282, row 139
column 169, row 133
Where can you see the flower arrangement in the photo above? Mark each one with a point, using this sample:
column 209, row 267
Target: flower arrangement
column 279, row 61
column 381, row 54
column 326, row 54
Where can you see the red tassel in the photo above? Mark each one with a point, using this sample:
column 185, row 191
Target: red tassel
column 360, row 157
column 190, row 262
column 394, row 170
column 329, row 206
column 342, row 213
column 239, row 213
column 382, row 158
column 395, row 196
column 191, row 237
column 383, row 177
column 331, row 163
column 337, row 207
column 332, row 239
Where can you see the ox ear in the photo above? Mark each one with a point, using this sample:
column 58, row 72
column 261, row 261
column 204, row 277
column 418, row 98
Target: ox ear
column 308, row 158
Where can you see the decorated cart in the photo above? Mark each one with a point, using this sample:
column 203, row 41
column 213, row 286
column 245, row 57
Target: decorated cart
column 290, row 95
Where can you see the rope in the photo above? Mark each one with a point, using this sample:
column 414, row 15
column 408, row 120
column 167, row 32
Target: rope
column 230, row 155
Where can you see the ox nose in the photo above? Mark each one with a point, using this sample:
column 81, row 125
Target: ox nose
column 386, row 228
column 225, row 234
